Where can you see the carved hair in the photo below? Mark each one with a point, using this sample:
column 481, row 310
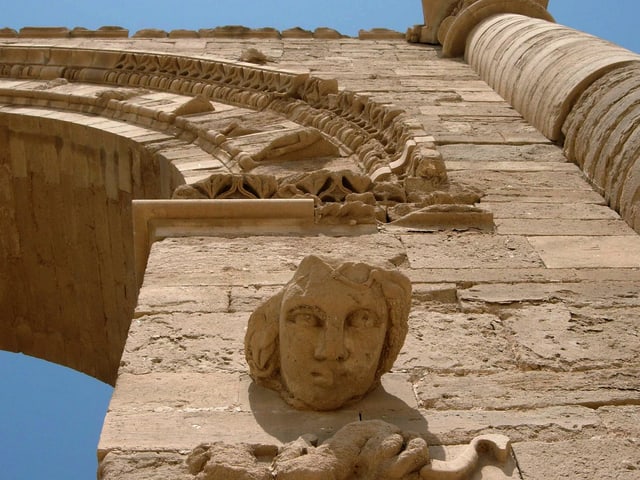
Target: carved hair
column 261, row 341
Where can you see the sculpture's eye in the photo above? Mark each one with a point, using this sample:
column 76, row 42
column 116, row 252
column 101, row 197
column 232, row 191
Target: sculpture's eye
column 305, row 317
column 362, row 318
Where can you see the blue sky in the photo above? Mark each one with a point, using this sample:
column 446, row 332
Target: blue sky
column 615, row 19
column 50, row 416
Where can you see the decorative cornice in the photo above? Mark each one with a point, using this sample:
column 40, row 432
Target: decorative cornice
column 227, row 31
column 376, row 132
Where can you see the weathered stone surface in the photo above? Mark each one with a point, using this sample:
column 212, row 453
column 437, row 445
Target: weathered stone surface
column 588, row 252
column 618, row 292
column 177, row 299
column 480, row 340
column 602, row 138
column 561, row 226
column 486, row 306
column 185, row 342
column 373, row 450
column 551, row 336
column 530, row 390
column 329, row 335
column 144, row 465
column 539, row 210
column 621, row 421
column 469, row 251
column 256, row 413
column 579, row 459
column 260, row 261
column 544, row 424
column 540, row 154
column 557, row 73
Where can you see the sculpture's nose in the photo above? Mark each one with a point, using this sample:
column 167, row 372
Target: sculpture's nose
column 330, row 344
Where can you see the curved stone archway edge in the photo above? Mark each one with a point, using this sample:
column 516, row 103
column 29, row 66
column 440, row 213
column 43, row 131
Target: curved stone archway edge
column 374, row 131
column 67, row 282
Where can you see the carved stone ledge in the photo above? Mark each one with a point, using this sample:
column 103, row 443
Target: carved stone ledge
column 348, row 198
column 239, row 31
column 151, row 33
column 369, row 450
column 297, row 32
column 380, row 34
column 8, row 33
column 182, row 33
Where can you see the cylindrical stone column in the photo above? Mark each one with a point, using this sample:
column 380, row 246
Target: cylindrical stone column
column 577, row 89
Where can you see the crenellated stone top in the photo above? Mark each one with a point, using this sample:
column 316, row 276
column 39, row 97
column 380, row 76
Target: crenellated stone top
column 226, row 31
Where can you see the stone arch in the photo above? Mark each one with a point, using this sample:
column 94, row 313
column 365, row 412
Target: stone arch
column 101, row 128
column 378, row 133
column 68, row 288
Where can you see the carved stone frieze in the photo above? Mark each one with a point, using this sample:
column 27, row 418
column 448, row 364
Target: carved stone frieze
column 359, row 145
column 369, row 450
column 375, row 131
column 348, row 198
column 228, row 185
column 323, row 185
column 296, row 145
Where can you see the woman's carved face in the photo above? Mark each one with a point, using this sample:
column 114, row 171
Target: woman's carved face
column 331, row 337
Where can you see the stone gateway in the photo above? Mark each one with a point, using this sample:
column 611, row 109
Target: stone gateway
column 299, row 255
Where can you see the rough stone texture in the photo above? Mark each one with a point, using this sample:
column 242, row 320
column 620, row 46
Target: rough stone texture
column 606, row 459
column 533, row 335
column 67, row 241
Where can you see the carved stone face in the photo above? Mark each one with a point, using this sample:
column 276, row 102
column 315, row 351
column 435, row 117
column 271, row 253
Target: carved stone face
column 331, row 337
column 327, row 337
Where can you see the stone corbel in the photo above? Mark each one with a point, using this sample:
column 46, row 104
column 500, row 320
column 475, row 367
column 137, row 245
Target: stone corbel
column 449, row 22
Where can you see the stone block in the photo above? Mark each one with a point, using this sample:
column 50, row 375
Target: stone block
column 580, row 459
column 469, row 250
column 563, row 227
column 520, row 390
column 554, row 336
column 447, row 427
column 44, row 32
column 588, row 251
column 454, row 342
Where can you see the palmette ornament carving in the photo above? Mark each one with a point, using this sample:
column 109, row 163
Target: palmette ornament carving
column 229, row 186
column 326, row 339
column 369, row 450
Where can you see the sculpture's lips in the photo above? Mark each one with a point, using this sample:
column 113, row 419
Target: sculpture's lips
column 324, row 379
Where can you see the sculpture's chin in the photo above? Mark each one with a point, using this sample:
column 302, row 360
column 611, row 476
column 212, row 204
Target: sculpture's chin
column 324, row 399
column 320, row 405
